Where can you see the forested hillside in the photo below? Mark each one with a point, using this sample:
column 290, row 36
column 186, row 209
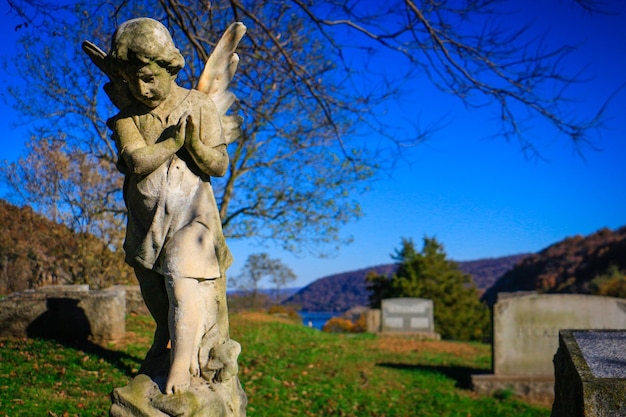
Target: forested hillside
column 340, row 292
column 35, row 251
column 594, row 264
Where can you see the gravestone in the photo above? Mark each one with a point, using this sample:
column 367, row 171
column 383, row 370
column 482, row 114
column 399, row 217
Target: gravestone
column 590, row 370
column 525, row 338
column 408, row 316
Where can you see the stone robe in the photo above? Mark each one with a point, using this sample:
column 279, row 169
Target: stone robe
column 174, row 227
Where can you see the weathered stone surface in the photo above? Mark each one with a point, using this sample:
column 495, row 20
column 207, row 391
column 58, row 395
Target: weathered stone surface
column 526, row 328
column 144, row 397
column 106, row 314
column 19, row 310
column 526, row 337
column 134, row 300
column 64, row 313
column 63, row 288
column 604, row 352
column 536, row 388
column 590, row 381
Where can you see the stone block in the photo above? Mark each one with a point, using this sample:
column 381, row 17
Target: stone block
column 66, row 314
column 56, row 289
column 134, row 299
column 536, row 388
column 373, row 321
column 590, row 372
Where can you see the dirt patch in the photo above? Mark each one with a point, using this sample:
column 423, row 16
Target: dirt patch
column 404, row 345
column 261, row 317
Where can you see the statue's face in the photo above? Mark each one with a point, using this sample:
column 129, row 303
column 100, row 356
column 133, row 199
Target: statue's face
column 151, row 84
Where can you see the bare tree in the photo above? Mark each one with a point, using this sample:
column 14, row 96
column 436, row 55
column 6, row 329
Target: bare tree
column 310, row 111
column 260, row 266
column 280, row 275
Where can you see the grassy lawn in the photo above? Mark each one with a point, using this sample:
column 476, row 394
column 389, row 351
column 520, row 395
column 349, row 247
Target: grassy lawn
column 286, row 370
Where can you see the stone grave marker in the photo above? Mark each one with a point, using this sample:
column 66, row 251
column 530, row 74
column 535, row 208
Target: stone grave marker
column 407, row 315
column 525, row 338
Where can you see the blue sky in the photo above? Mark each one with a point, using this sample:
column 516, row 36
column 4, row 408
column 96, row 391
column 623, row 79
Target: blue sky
column 481, row 197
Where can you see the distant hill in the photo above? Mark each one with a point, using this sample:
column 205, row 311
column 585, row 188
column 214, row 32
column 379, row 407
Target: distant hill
column 340, row 292
column 567, row 266
column 485, row 272
column 270, row 292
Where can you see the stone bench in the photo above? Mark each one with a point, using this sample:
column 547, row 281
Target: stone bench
column 65, row 313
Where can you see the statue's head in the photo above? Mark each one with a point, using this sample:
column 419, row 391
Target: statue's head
column 144, row 53
column 138, row 42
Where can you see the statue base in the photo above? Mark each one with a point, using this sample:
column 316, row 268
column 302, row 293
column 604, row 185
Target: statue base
column 144, row 397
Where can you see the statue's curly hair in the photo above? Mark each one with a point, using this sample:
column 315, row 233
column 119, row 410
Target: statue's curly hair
column 137, row 42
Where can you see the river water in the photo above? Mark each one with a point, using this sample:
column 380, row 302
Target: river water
column 316, row 319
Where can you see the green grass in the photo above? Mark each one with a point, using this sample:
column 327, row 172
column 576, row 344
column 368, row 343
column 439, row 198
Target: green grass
column 286, row 370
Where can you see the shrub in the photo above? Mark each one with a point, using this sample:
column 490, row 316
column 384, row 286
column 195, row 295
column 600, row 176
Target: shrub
column 612, row 283
column 284, row 311
column 338, row 325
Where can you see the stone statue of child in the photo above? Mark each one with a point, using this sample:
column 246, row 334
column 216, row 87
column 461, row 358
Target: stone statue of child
column 170, row 141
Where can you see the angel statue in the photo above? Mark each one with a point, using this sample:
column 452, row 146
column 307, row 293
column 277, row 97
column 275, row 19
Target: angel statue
column 170, row 142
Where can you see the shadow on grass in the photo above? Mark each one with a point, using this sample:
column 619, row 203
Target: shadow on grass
column 126, row 363
column 66, row 323
column 461, row 374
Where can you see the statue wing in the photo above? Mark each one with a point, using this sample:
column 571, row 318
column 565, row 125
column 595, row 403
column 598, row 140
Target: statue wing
column 220, row 68
column 117, row 91
column 218, row 72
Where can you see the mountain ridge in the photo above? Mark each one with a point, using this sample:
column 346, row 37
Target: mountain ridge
column 342, row 291
column 567, row 266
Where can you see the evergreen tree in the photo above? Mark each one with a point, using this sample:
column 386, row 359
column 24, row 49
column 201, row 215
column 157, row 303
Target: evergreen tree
column 379, row 287
column 459, row 314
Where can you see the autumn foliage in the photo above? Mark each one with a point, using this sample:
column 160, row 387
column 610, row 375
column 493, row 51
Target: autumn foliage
column 35, row 251
column 338, row 325
column 592, row 264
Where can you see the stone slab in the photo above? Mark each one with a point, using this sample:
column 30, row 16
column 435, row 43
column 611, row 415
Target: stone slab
column 69, row 288
column 585, row 386
column 604, row 352
column 539, row 389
